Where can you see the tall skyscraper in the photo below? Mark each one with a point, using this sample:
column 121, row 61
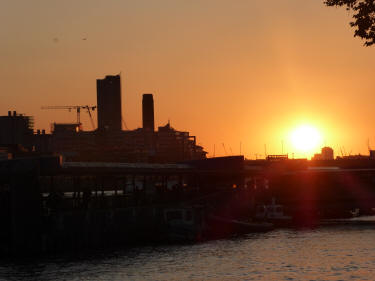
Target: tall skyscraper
column 109, row 103
column 148, row 112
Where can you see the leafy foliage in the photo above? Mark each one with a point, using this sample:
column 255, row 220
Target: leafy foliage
column 363, row 17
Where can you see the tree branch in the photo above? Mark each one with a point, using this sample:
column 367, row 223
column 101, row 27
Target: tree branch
column 363, row 17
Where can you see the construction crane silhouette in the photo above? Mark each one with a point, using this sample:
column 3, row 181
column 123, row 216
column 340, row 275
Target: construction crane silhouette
column 224, row 149
column 78, row 110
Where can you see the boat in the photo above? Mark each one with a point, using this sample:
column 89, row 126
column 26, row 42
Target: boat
column 184, row 224
column 192, row 224
column 273, row 213
column 219, row 227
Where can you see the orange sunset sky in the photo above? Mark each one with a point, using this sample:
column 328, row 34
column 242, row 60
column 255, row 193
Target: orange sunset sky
column 227, row 71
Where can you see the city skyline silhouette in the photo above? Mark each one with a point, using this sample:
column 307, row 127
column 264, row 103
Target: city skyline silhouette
column 242, row 74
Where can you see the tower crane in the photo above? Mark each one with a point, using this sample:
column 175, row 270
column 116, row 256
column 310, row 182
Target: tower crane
column 78, row 110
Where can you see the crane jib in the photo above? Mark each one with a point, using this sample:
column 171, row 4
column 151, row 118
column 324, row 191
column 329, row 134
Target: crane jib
column 78, row 110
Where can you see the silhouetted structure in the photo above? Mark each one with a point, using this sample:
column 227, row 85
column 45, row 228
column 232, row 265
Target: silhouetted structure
column 47, row 205
column 61, row 128
column 16, row 129
column 148, row 112
column 326, row 154
column 143, row 145
column 166, row 145
column 173, row 146
column 109, row 103
column 109, row 143
column 277, row 157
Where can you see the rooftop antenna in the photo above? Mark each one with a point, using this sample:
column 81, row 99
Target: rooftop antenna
column 214, row 150
column 240, row 148
column 265, row 151
column 231, row 152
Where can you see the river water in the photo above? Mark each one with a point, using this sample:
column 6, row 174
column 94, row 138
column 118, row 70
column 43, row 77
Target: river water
column 345, row 252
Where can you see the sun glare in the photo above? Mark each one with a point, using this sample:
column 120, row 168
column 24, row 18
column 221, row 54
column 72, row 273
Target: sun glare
column 305, row 139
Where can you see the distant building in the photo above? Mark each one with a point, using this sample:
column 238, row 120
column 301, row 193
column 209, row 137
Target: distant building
column 148, row 112
column 109, row 143
column 280, row 157
column 42, row 142
column 163, row 146
column 66, row 138
column 355, row 157
column 16, row 130
column 326, row 154
column 174, row 146
column 166, row 145
column 109, row 103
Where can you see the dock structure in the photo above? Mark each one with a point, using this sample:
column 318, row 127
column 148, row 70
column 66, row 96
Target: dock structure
column 48, row 205
column 51, row 205
column 318, row 189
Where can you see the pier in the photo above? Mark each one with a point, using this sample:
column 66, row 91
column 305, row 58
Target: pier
column 53, row 205
column 49, row 205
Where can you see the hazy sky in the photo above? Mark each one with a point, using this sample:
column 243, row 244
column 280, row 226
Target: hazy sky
column 228, row 71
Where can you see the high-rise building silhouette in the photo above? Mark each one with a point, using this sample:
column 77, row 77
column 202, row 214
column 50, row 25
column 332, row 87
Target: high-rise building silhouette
column 16, row 129
column 109, row 103
column 148, row 112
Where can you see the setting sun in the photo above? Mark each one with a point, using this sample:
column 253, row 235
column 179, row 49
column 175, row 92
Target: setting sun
column 306, row 139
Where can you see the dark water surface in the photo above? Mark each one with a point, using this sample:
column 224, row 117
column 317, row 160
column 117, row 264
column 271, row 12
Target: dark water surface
column 327, row 253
